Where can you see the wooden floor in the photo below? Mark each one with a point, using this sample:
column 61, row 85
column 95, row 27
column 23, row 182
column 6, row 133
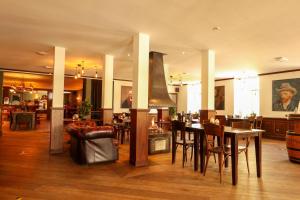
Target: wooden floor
column 28, row 171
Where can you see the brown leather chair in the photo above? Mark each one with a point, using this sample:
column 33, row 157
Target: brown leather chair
column 93, row 144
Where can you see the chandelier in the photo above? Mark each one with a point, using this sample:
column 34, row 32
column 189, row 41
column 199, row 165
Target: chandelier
column 80, row 70
column 21, row 87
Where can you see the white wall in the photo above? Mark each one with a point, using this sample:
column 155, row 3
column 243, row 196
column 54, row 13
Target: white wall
column 229, row 100
column 117, row 96
column 265, row 83
column 182, row 99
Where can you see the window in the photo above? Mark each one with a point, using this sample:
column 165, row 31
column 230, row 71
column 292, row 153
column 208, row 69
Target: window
column 193, row 97
column 246, row 96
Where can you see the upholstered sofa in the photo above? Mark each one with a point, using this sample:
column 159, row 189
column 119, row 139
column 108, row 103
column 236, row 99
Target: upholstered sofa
column 91, row 143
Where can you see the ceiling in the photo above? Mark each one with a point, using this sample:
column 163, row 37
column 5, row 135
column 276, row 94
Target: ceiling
column 252, row 33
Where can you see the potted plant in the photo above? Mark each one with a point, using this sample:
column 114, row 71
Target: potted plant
column 85, row 110
column 172, row 112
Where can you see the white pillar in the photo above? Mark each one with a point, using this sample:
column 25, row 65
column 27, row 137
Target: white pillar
column 57, row 112
column 140, row 71
column 107, row 89
column 139, row 111
column 208, row 80
column 107, row 81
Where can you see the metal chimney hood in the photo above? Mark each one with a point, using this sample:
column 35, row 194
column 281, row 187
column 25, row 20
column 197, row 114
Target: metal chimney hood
column 158, row 90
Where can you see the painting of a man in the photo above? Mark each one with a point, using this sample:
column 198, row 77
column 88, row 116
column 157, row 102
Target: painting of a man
column 126, row 97
column 220, row 97
column 285, row 96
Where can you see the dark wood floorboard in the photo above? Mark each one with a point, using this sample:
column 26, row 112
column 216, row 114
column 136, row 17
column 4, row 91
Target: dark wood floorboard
column 28, row 171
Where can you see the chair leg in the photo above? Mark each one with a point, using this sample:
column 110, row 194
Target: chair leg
column 247, row 160
column 183, row 155
column 186, row 151
column 215, row 158
column 192, row 152
column 220, row 156
column 207, row 159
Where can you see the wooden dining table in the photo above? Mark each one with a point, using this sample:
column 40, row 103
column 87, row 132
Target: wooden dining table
column 234, row 134
column 14, row 122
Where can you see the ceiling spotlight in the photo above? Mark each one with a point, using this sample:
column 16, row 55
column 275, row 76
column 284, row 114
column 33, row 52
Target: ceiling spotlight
column 183, row 53
column 216, row 28
column 41, row 53
column 281, row 59
column 128, row 54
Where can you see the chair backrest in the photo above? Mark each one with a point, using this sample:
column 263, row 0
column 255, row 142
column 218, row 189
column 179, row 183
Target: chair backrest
column 222, row 119
column 214, row 130
column 242, row 125
column 178, row 125
column 258, row 122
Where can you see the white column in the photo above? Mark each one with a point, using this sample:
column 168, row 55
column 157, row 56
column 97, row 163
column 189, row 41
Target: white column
column 107, row 89
column 140, row 71
column 58, row 77
column 208, row 80
column 57, row 110
column 139, row 111
column 107, row 81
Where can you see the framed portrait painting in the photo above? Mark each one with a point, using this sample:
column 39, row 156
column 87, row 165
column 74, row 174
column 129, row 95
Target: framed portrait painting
column 220, row 97
column 285, row 94
column 126, row 96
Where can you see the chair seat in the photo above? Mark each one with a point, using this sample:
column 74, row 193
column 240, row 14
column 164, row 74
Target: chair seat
column 240, row 148
column 188, row 142
column 217, row 149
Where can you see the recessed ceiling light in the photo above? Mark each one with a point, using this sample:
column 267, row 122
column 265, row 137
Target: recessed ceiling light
column 41, row 53
column 128, row 54
column 183, row 53
column 281, row 59
column 216, row 28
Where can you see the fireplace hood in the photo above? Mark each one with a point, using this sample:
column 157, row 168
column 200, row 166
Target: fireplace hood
column 158, row 90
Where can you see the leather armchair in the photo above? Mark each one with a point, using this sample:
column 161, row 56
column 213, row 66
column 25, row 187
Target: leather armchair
column 91, row 144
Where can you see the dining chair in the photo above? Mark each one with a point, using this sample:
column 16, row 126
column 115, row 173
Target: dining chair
column 243, row 148
column 258, row 122
column 181, row 140
column 222, row 119
column 251, row 119
column 213, row 130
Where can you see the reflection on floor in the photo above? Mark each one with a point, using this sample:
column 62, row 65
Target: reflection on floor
column 28, row 171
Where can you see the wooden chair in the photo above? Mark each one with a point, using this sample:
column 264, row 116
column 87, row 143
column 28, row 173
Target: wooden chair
column 222, row 119
column 212, row 130
column 181, row 140
column 243, row 148
column 252, row 121
column 258, row 122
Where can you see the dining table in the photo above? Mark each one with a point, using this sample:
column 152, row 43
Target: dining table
column 14, row 121
column 234, row 134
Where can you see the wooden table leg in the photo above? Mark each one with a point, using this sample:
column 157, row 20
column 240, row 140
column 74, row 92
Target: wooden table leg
column 173, row 146
column 234, row 158
column 196, row 151
column 258, row 154
column 202, row 156
column 226, row 143
column 122, row 135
